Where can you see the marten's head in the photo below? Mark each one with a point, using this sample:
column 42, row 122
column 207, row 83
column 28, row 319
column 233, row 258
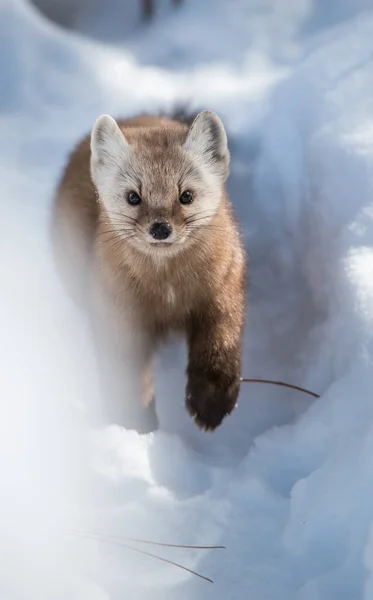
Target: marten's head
column 160, row 186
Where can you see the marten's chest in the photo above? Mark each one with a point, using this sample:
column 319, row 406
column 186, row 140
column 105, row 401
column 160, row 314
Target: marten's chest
column 167, row 303
column 163, row 297
column 167, row 298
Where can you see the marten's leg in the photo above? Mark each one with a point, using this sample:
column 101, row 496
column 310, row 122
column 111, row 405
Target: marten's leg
column 125, row 351
column 214, row 369
column 127, row 383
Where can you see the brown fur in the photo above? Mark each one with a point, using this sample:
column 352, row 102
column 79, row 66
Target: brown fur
column 198, row 291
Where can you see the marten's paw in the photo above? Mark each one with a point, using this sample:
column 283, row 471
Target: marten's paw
column 209, row 399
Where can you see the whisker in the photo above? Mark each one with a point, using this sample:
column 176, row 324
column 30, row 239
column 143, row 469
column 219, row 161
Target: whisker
column 116, row 240
column 119, row 227
column 145, row 553
column 140, row 541
column 120, row 215
column 282, row 384
column 120, row 222
column 194, row 237
column 205, row 226
column 115, row 231
column 200, row 215
column 116, row 235
column 192, row 221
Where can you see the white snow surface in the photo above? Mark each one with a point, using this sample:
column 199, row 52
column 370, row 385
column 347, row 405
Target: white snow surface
column 286, row 483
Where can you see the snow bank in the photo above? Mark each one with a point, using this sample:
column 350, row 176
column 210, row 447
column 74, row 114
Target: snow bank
column 285, row 484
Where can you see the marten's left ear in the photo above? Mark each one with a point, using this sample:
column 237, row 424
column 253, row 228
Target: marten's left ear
column 208, row 141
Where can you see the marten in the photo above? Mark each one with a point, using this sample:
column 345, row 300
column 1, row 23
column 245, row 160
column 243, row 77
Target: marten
column 146, row 239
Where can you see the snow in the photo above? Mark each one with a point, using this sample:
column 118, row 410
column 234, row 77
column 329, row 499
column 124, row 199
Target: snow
column 286, row 483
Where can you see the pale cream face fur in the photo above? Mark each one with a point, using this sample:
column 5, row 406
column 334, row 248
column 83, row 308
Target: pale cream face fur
column 159, row 164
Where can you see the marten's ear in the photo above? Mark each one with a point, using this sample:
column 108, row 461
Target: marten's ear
column 109, row 148
column 208, row 141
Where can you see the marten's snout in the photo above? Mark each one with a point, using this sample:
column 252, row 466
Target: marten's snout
column 160, row 231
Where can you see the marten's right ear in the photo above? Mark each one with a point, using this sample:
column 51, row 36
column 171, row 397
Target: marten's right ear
column 109, row 148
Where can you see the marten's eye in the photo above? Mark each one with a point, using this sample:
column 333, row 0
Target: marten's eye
column 186, row 197
column 133, row 198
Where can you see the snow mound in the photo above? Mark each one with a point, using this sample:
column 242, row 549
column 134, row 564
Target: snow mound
column 286, row 484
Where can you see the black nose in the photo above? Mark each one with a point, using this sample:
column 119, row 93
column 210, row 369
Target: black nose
column 160, row 231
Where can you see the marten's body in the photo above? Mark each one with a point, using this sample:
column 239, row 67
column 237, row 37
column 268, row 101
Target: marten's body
column 145, row 237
